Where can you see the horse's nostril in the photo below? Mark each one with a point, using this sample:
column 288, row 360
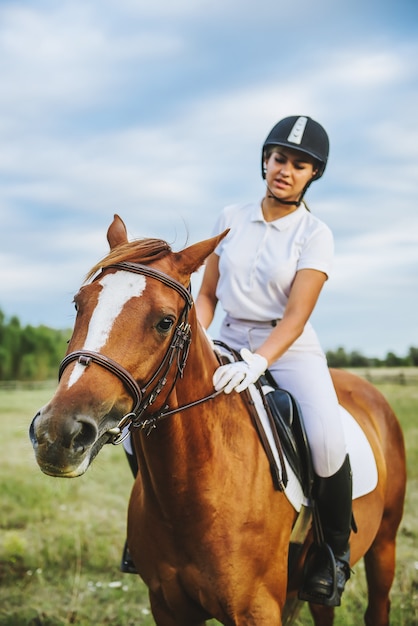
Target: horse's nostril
column 79, row 433
column 32, row 434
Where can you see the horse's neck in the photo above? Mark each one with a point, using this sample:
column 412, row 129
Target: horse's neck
column 182, row 453
column 186, row 458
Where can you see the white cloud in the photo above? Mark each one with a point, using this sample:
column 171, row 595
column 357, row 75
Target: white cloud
column 66, row 59
column 365, row 69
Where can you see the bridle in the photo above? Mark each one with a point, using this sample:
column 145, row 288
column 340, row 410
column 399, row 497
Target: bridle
column 177, row 352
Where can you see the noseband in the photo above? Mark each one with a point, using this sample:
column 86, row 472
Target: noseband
column 179, row 347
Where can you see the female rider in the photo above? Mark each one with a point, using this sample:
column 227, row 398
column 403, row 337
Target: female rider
column 267, row 274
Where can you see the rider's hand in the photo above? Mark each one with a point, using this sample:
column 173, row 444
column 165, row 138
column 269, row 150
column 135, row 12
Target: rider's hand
column 241, row 374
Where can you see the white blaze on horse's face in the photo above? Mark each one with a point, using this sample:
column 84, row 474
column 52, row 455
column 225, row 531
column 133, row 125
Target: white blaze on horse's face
column 117, row 290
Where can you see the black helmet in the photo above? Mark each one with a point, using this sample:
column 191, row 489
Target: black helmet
column 300, row 133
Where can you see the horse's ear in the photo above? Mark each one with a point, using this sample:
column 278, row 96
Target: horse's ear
column 116, row 233
column 191, row 258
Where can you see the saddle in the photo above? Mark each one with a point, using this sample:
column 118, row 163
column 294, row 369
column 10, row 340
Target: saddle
column 286, row 418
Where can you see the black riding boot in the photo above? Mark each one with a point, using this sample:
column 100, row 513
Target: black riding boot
column 127, row 566
column 327, row 567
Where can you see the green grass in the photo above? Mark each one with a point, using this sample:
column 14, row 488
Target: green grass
column 61, row 540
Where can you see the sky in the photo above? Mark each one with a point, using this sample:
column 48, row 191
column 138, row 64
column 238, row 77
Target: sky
column 158, row 110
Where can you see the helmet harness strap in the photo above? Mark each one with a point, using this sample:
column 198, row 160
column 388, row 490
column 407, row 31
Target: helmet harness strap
column 289, row 202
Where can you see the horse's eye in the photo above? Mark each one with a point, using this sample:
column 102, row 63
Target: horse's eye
column 165, row 324
column 75, row 305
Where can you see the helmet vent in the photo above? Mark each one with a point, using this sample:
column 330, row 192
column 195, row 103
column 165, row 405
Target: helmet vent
column 296, row 134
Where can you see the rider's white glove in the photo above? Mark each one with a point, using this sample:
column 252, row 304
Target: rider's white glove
column 241, row 374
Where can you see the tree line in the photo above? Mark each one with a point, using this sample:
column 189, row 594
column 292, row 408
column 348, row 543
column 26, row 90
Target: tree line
column 29, row 353
column 341, row 358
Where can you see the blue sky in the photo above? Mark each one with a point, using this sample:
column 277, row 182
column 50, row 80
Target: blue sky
column 157, row 111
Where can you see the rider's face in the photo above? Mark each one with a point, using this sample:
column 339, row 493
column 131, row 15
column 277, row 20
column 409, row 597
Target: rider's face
column 288, row 171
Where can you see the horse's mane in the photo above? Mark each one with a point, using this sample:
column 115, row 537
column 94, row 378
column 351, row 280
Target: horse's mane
column 138, row 251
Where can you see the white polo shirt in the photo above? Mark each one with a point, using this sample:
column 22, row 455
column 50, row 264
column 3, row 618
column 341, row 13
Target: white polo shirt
column 258, row 259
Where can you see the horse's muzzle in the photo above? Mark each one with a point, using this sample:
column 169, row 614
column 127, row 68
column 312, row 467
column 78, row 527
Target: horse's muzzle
column 63, row 451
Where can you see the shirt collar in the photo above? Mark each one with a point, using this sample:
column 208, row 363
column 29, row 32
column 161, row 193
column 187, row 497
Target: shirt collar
column 282, row 223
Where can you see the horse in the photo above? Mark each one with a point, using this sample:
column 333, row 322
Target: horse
column 207, row 530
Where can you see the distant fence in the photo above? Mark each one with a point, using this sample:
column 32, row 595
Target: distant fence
column 394, row 375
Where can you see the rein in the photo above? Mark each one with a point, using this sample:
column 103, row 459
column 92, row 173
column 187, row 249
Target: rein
column 144, row 397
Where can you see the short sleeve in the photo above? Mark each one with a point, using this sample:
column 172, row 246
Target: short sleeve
column 318, row 251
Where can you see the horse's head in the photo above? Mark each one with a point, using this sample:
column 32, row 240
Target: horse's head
column 130, row 341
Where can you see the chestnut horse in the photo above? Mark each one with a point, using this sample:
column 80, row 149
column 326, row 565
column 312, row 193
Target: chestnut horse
column 207, row 530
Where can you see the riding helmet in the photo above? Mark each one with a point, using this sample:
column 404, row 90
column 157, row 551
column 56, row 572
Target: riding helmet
column 300, row 133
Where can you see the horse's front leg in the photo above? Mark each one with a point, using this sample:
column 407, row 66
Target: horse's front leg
column 163, row 616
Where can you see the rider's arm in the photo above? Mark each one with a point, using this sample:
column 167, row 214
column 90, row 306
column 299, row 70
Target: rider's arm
column 206, row 300
column 303, row 296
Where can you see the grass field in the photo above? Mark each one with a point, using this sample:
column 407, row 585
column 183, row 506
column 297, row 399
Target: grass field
column 61, row 540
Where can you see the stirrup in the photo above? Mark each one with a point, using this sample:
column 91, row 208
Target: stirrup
column 127, row 566
column 315, row 554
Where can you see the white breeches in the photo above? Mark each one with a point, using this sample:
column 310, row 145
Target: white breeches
column 303, row 371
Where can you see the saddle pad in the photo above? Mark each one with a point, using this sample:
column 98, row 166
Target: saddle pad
column 363, row 464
